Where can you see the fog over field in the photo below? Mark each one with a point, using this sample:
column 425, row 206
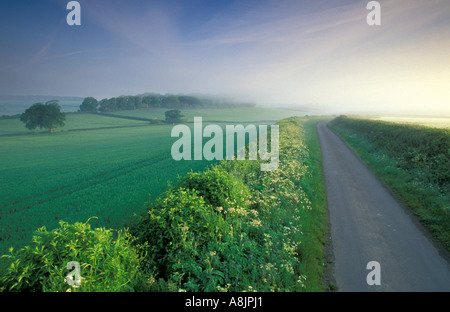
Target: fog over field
column 316, row 53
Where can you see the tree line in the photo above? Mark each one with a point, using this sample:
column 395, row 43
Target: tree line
column 91, row 104
column 48, row 115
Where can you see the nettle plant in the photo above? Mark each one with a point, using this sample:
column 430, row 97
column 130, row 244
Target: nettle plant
column 108, row 260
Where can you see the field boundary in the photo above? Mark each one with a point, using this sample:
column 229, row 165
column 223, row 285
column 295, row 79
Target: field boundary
column 74, row 130
column 124, row 117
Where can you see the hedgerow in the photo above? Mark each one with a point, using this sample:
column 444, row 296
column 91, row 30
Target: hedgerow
column 232, row 227
column 107, row 263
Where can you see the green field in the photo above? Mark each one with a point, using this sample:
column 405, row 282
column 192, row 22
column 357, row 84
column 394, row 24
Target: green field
column 245, row 115
column 74, row 121
column 435, row 122
column 108, row 173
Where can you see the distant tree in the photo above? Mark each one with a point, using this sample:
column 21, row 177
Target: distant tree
column 47, row 116
column 105, row 105
column 89, row 105
column 121, row 103
column 173, row 116
column 171, row 101
column 155, row 101
column 190, row 101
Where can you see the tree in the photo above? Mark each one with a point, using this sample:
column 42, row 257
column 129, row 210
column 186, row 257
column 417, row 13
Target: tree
column 89, row 105
column 190, row 101
column 171, row 101
column 106, row 105
column 173, row 116
column 47, row 116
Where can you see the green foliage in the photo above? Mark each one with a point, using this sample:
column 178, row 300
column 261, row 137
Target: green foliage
column 414, row 161
column 423, row 151
column 236, row 228
column 153, row 100
column 218, row 188
column 173, row 116
column 179, row 228
column 89, row 105
column 107, row 263
column 47, row 116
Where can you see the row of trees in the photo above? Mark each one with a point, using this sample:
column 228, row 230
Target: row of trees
column 48, row 115
column 91, row 104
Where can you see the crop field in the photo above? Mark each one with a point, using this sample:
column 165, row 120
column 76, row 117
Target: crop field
column 435, row 122
column 73, row 122
column 74, row 175
column 247, row 114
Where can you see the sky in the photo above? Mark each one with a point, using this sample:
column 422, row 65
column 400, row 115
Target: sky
column 278, row 52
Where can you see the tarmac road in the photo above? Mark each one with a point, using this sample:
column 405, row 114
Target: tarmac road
column 367, row 224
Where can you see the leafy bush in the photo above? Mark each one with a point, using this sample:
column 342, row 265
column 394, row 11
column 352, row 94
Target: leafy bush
column 218, row 187
column 191, row 244
column 178, row 224
column 107, row 263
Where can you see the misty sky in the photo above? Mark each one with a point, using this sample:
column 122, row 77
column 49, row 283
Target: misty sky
column 271, row 51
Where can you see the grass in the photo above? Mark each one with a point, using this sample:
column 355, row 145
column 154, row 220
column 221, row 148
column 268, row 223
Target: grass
column 73, row 121
column 435, row 122
column 245, row 115
column 315, row 226
column 77, row 121
column 75, row 175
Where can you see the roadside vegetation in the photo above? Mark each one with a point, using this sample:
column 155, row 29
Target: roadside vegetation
column 413, row 161
column 231, row 227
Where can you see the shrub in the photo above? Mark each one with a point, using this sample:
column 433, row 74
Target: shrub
column 218, row 187
column 107, row 263
column 177, row 224
column 188, row 241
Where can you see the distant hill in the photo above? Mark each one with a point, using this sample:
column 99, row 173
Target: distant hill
column 17, row 104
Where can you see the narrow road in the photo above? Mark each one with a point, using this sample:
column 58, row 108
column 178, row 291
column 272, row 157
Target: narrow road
column 367, row 224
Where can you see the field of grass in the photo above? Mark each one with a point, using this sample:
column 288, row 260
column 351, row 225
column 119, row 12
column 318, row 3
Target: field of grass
column 413, row 161
column 76, row 121
column 315, row 228
column 246, row 114
column 73, row 175
column 435, row 122
column 73, row 121
column 76, row 175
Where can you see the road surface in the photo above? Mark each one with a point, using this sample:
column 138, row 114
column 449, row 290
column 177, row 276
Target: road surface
column 367, row 224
